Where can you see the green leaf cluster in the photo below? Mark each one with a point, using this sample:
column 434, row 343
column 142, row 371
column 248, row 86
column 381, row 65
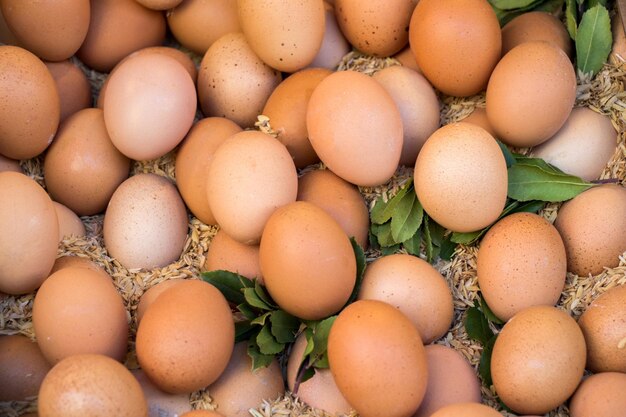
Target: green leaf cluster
column 479, row 321
column 507, row 10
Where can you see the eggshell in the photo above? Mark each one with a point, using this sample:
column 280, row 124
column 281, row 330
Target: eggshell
column 536, row 26
column 479, row 118
column 604, row 325
column 161, row 404
column 233, row 82
column 6, row 36
column 461, row 177
column 75, row 261
column 193, row 160
column 69, row 223
column 22, row 368
column 618, row 52
column 418, row 105
column 378, row 360
column 139, row 240
column 466, row 410
column 600, row 395
column 159, row 4
column 225, row 253
column 538, row 360
column 456, row 57
column 239, row 388
column 153, row 292
column 521, row 263
column 406, row 58
column 186, row 337
column 29, row 234
column 286, row 107
column 251, row 175
column 593, row 228
column 92, row 385
column 73, row 87
column 583, row 146
column 334, row 44
column 340, row 199
column 29, row 115
column 355, row 128
column 8, row 164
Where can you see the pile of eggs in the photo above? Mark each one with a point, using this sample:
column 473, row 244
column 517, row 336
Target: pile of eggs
column 286, row 223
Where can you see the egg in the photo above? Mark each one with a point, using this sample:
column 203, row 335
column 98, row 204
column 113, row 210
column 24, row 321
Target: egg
column 92, row 385
column 334, row 45
column 83, row 168
column 233, row 82
column 29, row 234
column 186, row 337
column 69, row 223
column 604, row 325
column 227, row 254
column 8, row 164
column 68, row 261
column 159, row 4
column 600, row 395
column 355, row 128
column 201, row 413
column 22, row 368
column 536, row 26
column 378, row 360
column 193, row 160
column 6, row 36
column 145, row 224
column 286, row 107
column 593, row 228
column 456, row 57
column 29, row 115
column 583, row 146
column 618, row 52
column 414, row 287
column 521, row 263
column 77, row 310
column 406, row 58
column 537, row 80
column 466, row 410
column 161, row 404
column 251, row 175
column 538, row 360
column 461, row 177
column 240, row 389
column 152, row 293
column 418, row 105
column 479, row 118
column 73, row 87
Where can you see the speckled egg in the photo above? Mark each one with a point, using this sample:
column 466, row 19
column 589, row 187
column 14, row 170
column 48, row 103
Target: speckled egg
column 334, row 45
column 479, row 118
column 73, row 87
column 161, row 404
column 22, row 368
column 69, row 223
column 466, row 410
column 536, row 26
column 75, row 261
column 600, row 395
column 225, row 253
column 152, row 293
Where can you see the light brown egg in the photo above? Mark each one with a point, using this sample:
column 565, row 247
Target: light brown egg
column 69, row 223
column 75, row 261
column 355, row 128
column 29, row 234
column 466, row 410
column 536, row 26
column 296, row 237
column 233, row 82
column 8, row 164
column 239, row 388
column 286, row 107
column 251, row 175
column 225, row 253
column 461, row 177
column 91, row 385
column 457, row 57
column 6, row 36
column 193, row 160
column 618, row 52
column 593, row 228
column 538, row 360
column 161, row 404
column 479, row 118
column 73, row 87
column 29, row 115
column 334, row 45
column 145, row 225
column 418, row 105
column 378, row 360
column 600, row 395
column 406, row 58
column 152, row 293
column 159, row 4
column 604, row 325
column 22, row 368
column 186, row 337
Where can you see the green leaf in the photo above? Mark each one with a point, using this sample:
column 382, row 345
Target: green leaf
column 361, row 262
column 376, row 215
column 487, row 311
column 484, row 367
column 247, row 311
column 383, row 233
column 284, row 326
column 268, row 345
column 428, row 241
column 412, row 244
column 508, row 155
column 477, row 326
column 229, row 284
column 259, row 360
column 512, row 4
column 407, row 218
column 593, row 3
column 390, row 250
column 263, row 295
column 571, row 18
column 550, row 6
column 466, row 238
column 319, row 354
column 593, row 40
column 261, row 319
column 310, row 343
column 436, row 232
column 527, row 182
column 243, row 331
column 539, row 163
column 447, row 248
column 372, row 238
column 307, row 374
column 252, row 298
column 384, row 214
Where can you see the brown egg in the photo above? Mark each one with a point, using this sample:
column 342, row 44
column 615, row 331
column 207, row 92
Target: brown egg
column 459, row 56
column 338, row 198
column 8, row 164
column 618, row 52
column 297, row 236
column 159, row 4
column 583, row 146
column 152, row 293
column 536, row 26
column 536, row 79
column 161, row 404
column 82, row 167
column 521, row 263
column 538, row 360
column 188, row 22
column 29, row 115
column 334, row 45
column 604, row 325
column 320, row 391
column 75, row 261
column 406, row 58
column 69, row 223
column 418, row 105
column 378, row 360
column 286, row 107
column 22, row 368
column 479, row 118
column 251, row 175
column 451, row 380
column 145, row 225
column 414, row 287
column 466, row 410
column 225, row 253
column 239, row 388
column 118, row 28
column 29, row 234
column 593, row 228
column 78, row 310
column 461, row 177
column 91, row 385
column 186, row 337
column 73, row 87
column 600, row 395
column 201, row 413
column 355, row 128
column 233, row 82
column 6, row 36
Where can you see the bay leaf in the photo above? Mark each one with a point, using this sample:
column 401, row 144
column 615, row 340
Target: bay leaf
column 268, row 345
column 527, row 182
column 593, row 40
column 477, row 326
column 407, row 219
column 571, row 18
column 229, row 284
